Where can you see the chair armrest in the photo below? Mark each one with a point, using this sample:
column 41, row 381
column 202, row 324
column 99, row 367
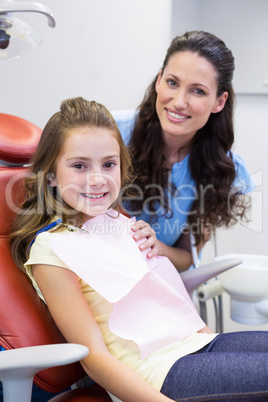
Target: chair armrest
column 18, row 366
column 195, row 277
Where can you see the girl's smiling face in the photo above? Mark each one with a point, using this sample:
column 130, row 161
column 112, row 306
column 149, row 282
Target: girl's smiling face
column 88, row 171
column 187, row 95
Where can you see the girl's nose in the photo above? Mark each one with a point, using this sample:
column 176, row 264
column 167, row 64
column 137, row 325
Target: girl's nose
column 96, row 179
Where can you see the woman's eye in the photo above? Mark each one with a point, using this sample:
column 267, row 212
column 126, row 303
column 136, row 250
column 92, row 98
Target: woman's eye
column 171, row 82
column 199, row 91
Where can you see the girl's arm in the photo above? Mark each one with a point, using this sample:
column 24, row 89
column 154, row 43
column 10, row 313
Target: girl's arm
column 71, row 313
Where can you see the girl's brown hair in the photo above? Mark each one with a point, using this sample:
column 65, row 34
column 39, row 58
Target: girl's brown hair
column 43, row 202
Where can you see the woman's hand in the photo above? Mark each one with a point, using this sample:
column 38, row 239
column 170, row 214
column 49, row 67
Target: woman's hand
column 180, row 254
column 143, row 231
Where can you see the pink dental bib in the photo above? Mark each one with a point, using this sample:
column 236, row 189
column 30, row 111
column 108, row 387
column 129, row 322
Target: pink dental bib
column 150, row 303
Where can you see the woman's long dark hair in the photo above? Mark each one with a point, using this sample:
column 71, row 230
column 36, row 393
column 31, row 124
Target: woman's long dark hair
column 211, row 166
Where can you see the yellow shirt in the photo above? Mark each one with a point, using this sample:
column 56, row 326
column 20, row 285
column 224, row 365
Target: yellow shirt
column 155, row 367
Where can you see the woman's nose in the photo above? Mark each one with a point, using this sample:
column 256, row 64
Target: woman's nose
column 180, row 99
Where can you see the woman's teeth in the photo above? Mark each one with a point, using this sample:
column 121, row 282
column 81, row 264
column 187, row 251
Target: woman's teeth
column 177, row 116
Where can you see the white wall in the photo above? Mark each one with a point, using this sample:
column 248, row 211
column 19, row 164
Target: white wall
column 227, row 20
column 106, row 50
column 235, row 21
column 242, row 24
column 251, row 121
column 231, row 21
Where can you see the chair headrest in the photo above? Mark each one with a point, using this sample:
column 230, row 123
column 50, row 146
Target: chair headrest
column 11, row 195
column 18, row 139
column 25, row 320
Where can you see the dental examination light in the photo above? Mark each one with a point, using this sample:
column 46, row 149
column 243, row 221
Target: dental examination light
column 16, row 36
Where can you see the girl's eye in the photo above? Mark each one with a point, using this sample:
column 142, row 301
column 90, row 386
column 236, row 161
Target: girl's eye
column 171, row 82
column 199, row 91
column 79, row 166
column 109, row 165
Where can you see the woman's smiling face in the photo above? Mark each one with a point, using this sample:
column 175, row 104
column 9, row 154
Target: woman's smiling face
column 187, row 95
column 88, row 171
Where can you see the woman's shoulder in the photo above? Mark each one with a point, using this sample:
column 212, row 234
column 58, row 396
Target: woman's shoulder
column 243, row 179
column 125, row 120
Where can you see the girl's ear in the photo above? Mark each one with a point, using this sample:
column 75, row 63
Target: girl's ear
column 52, row 180
column 220, row 102
column 158, row 81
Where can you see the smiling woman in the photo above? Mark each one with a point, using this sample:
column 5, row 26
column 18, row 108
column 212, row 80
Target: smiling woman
column 186, row 96
column 187, row 178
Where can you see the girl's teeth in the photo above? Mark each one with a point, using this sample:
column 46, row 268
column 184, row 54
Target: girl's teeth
column 94, row 196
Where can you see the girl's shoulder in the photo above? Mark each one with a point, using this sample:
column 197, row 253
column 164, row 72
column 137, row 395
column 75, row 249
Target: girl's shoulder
column 53, row 226
column 41, row 251
column 43, row 238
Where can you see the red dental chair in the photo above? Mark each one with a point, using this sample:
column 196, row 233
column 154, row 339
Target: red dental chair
column 24, row 319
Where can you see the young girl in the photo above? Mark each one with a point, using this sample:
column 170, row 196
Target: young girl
column 146, row 340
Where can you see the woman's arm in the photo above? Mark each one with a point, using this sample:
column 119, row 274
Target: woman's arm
column 181, row 254
column 70, row 311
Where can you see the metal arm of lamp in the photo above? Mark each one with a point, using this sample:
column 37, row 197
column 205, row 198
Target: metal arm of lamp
column 10, row 6
column 16, row 36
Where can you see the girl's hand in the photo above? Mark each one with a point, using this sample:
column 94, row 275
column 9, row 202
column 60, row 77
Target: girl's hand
column 143, row 230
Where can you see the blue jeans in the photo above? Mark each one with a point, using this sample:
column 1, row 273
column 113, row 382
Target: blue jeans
column 233, row 367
